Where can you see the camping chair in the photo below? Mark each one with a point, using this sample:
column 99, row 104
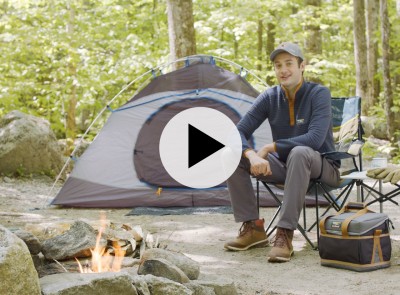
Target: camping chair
column 347, row 132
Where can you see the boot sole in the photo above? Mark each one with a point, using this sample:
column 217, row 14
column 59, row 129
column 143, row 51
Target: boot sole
column 280, row 259
column 259, row 244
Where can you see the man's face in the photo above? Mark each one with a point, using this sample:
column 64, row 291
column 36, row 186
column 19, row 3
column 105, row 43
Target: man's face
column 287, row 70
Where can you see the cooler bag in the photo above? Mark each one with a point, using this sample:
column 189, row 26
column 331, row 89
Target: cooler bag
column 355, row 238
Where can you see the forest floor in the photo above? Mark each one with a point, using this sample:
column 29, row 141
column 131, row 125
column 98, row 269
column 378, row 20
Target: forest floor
column 24, row 203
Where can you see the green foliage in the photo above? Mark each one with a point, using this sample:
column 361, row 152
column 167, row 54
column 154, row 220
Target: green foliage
column 95, row 48
column 109, row 43
column 229, row 29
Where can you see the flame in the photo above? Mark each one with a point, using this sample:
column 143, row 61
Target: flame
column 102, row 260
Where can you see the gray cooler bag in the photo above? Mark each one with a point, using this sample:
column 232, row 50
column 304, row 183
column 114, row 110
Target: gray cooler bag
column 355, row 238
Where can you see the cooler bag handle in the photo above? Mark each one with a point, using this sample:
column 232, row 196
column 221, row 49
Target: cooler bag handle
column 353, row 205
column 346, row 222
column 346, row 208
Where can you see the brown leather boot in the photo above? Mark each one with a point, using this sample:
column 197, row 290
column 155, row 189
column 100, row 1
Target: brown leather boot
column 251, row 234
column 283, row 248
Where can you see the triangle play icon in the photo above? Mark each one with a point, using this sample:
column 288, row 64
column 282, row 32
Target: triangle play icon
column 201, row 146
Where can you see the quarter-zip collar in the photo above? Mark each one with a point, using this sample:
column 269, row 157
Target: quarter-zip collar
column 291, row 100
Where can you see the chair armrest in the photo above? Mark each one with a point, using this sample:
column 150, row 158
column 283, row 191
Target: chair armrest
column 336, row 156
column 352, row 151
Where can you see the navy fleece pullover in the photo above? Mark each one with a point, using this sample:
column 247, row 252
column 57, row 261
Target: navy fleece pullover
column 311, row 125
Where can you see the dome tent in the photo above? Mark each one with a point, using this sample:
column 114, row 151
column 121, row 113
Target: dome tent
column 122, row 166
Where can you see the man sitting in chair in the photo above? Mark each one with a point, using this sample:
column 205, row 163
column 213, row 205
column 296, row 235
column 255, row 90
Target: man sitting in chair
column 300, row 117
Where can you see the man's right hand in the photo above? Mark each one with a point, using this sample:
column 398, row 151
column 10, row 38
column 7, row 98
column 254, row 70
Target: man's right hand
column 258, row 165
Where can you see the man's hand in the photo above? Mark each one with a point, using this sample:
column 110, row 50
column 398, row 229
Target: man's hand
column 258, row 165
column 265, row 150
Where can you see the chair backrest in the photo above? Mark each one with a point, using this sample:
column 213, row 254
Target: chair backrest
column 346, row 114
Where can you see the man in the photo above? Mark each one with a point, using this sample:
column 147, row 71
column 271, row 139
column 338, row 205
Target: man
column 300, row 117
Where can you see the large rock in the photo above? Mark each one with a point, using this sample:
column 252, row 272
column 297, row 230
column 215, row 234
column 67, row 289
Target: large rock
column 76, row 242
column 30, row 240
column 199, row 289
column 17, row 272
column 221, row 287
column 138, row 281
column 28, row 145
column 110, row 283
column 374, row 127
column 190, row 267
column 163, row 286
column 163, row 268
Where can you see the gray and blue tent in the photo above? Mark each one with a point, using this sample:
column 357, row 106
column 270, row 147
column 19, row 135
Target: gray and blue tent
column 122, row 166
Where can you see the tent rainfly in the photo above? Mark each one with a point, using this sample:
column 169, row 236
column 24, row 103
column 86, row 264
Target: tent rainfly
column 122, row 166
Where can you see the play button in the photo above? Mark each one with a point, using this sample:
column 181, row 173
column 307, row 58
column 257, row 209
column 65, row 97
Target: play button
column 200, row 147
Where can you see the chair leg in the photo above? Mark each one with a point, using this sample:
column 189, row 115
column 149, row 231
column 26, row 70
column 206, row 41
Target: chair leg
column 269, row 232
column 303, row 232
column 268, row 229
column 333, row 201
column 383, row 197
column 299, row 227
column 258, row 198
column 317, row 214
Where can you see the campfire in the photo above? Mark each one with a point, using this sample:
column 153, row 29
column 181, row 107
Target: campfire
column 102, row 260
column 109, row 257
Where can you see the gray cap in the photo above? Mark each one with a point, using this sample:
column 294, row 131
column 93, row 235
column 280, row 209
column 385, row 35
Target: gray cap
column 288, row 47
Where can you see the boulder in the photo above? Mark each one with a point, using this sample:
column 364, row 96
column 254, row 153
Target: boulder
column 76, row 242
column 160, row 267
column 28, row 146
column 375, row 127
column 199, row 289
column 138, row 281
column 17, row 272
column 44, row 268
column 110, row 283
column 220, row 287
column 159, row 285
column 190, row 267
column 30, row 240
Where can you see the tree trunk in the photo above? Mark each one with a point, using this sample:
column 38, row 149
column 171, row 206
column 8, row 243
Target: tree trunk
column 270, row 47
column 313, row 43
column 5, row 6
column 395, row 52
column 385, row 32
column 182, row 40
column 259, row 44
column 398, row 7
column 313, row 40
column 72, row 102
column 235, row 47
column 395, row 29
column 360, row 52
column 372, row 46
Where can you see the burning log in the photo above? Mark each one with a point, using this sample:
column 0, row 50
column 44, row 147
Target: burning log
column 121, row 240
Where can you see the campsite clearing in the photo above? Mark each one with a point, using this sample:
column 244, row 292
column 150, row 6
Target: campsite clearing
column 23, row 201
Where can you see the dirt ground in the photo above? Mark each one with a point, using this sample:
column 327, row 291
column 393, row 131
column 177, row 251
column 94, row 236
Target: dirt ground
column 23, row 203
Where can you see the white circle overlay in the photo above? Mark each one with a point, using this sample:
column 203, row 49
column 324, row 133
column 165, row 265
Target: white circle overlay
column 212, row 170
